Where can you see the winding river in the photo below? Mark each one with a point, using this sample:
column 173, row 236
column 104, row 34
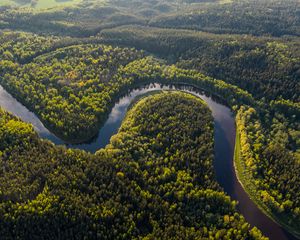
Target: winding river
column 224, row 146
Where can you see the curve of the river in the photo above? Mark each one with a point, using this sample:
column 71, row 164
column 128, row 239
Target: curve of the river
column 224, row 135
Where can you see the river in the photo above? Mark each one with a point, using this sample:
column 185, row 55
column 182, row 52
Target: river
column 224, row 141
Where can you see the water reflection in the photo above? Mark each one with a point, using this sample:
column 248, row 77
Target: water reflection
column 224, row 137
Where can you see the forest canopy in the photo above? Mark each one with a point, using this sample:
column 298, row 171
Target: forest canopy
column 139, row 185
column 69, row 62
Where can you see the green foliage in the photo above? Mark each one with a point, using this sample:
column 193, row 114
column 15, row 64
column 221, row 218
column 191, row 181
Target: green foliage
column 269, row 170
column 266, row 17
column 71, row 88
column 266, row 67
column 71, row 82
column 147, row 183
column 273, row 17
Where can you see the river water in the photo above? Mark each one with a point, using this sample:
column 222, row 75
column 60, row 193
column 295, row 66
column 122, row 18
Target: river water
column 224, row 141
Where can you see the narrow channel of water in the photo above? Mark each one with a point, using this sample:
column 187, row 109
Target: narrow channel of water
column 224, row 138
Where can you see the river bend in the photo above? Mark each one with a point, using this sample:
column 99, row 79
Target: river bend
column 224, row 142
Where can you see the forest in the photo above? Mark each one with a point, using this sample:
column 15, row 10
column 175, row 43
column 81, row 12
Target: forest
column 71, row 62
column 145, row 188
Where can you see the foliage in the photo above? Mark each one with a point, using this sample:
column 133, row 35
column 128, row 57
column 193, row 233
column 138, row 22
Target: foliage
column 61, row 70
column 145, row 184
column 70, row 88
column 273, row 17
column 271, row 171
column 266, row 67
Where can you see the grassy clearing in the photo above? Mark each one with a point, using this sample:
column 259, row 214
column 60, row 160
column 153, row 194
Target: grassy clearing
column 6, row 2
column 42, row 3
column 53, row 3
column 225, row 1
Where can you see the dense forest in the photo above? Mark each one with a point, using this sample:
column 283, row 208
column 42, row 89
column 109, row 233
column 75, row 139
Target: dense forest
column 151, row 185
column 71, row 62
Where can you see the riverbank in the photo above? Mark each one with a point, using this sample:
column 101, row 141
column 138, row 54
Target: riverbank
column 224, row 148
column 248, row 184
